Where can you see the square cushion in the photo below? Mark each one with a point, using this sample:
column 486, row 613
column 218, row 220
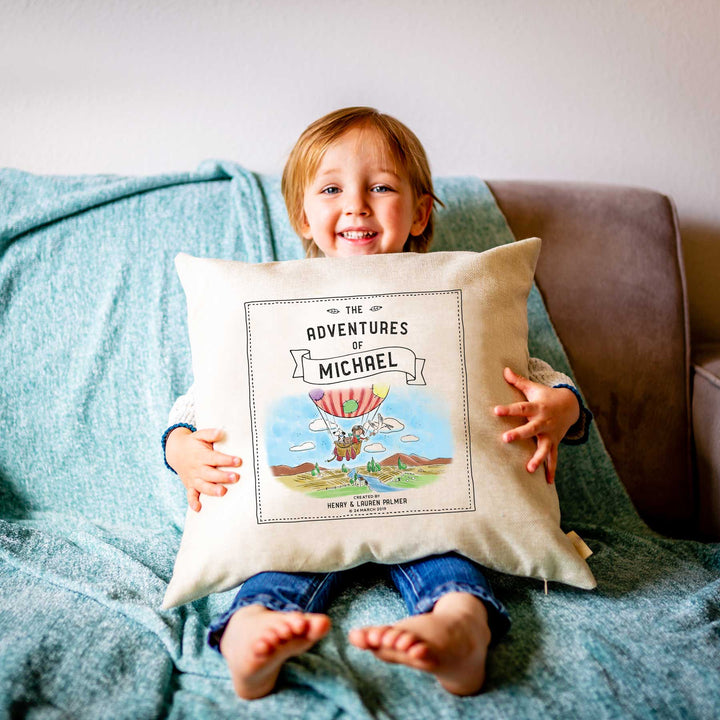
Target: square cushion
column 359, row 393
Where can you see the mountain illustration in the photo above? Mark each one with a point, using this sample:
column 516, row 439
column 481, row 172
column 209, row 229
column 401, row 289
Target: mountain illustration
column 287, row 470
column 412, row 460
column 391, row 461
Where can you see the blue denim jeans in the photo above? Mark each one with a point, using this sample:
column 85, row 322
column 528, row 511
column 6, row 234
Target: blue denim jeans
column 421, row 584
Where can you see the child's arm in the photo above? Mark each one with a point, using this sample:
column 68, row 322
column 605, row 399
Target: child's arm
column 191, row 455
column 551, row 413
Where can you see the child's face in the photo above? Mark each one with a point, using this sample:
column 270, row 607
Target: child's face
column 359, row 202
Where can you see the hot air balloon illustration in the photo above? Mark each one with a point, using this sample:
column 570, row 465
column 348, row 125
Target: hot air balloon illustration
column 360, row 404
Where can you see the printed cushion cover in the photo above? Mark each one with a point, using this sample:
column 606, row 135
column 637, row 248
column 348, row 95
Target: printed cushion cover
column 359, row 393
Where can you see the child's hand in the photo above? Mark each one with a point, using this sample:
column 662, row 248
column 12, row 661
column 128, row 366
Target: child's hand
column 550, row 413
column 192, row 456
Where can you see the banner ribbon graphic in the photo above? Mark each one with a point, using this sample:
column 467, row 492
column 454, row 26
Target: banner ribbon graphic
column 327, row 371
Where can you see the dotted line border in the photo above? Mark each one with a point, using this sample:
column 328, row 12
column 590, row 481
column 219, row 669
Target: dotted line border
column 463, row 377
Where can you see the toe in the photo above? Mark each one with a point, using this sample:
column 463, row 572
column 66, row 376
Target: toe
column 390, row 638
column 375, row 636
column 272, row 637
column 263, row 647
column 317, row 626
column 297, row 624
column 405, row 641
column 419, row 651
column 284, row 631
column 359, row 639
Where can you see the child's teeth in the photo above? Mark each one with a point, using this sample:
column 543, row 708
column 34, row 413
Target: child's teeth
column 350, row 235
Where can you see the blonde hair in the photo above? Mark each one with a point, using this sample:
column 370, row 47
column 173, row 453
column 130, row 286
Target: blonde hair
column 305, row 158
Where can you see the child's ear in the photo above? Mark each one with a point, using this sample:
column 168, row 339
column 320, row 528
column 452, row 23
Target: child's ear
column 423, row 208
column 305, row 227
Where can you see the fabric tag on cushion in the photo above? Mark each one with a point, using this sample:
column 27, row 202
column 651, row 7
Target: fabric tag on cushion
column 582, row 549
column 359, row 393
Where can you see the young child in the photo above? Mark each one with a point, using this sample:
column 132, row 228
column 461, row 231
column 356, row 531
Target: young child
column 358, row 182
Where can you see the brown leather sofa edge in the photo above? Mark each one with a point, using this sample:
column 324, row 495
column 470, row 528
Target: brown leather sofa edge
column 611, row 273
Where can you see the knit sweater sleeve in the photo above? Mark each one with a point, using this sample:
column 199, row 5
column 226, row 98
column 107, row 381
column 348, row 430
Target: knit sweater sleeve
column 182, row 414
column 183, row 410
column 540, row 372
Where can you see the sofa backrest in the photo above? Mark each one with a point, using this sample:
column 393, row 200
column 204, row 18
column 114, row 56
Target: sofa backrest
column 611, row 274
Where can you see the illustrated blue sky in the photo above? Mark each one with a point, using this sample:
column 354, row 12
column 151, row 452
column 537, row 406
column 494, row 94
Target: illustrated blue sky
column 423, row 414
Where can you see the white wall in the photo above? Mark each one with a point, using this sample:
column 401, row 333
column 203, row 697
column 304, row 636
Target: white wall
column 608, row 91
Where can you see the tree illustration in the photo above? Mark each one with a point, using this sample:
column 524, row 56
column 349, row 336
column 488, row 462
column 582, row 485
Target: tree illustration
column 373, row 466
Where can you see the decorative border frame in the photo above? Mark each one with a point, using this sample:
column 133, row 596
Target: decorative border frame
column 253, row 412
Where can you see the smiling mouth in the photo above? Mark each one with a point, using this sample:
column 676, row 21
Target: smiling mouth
column 358, row 234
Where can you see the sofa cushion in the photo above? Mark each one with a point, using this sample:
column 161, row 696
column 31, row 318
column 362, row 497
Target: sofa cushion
column 359, row 393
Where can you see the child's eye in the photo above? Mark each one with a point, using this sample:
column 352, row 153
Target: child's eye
column 330, row 190
column 381, row 189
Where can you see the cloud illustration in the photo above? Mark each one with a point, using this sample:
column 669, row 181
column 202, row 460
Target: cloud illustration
column 389, row 425
column 374, row 448
column 304, row 447
column 317, row 425
column 409, row 438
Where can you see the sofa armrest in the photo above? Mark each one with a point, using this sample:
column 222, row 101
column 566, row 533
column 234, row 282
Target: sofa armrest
column 611, row 275
column 706, row 429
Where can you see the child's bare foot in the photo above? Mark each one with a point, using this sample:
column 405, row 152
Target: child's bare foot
column 257, row 641
column 449, row 642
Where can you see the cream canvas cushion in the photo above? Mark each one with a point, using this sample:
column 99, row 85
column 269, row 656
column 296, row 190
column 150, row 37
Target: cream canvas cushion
column 359, row 394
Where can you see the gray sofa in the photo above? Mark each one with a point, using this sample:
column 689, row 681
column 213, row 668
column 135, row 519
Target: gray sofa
column 611, row 273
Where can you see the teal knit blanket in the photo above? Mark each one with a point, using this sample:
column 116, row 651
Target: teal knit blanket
column 93, row 352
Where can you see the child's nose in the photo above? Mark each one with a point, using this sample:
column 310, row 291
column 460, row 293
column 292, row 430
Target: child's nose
column 356, row 204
